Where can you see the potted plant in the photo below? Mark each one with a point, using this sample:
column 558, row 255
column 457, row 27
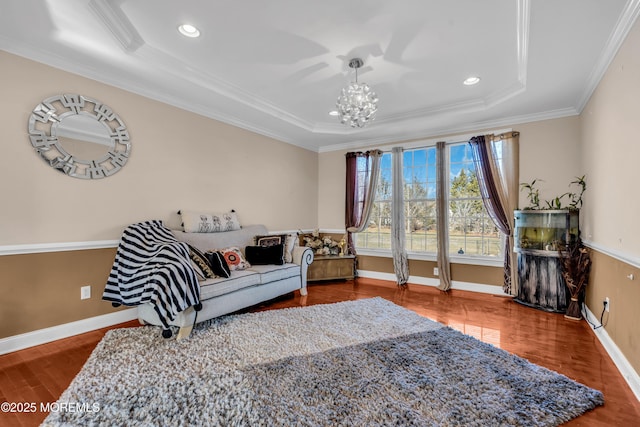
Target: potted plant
column 575, row 199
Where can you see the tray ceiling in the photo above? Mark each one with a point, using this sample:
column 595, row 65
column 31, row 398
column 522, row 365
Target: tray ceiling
column 277, row 67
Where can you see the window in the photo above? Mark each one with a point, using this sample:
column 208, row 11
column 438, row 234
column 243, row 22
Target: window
column 378, row 234
column 420, row 199
column 471, row 231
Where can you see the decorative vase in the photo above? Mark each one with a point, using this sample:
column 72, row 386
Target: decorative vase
column 573, row 310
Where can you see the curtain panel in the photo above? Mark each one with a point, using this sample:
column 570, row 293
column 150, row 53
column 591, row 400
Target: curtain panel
column 442, row 218
column 496, row 158
column 398, row 248
column 363, row 169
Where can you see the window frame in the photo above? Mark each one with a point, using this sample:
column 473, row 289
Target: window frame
column 468, row 259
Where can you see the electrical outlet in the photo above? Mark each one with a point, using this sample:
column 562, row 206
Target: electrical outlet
column 85, row 292
column 607, row 305
column 436, row 272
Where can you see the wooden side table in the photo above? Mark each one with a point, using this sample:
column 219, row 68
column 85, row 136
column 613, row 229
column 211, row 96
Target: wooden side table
column 330, row 267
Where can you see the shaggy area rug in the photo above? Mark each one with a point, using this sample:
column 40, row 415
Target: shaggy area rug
column 361, row 363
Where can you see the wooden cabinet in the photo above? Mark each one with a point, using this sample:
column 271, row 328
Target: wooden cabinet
column 329, row 267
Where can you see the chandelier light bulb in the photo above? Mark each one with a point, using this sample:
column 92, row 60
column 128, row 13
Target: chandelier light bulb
column 357, row 103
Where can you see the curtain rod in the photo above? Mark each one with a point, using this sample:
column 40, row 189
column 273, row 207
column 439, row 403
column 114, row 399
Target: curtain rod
column 451, row 140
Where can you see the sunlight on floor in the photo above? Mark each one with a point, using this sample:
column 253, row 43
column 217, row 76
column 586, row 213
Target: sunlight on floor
column 488, row 335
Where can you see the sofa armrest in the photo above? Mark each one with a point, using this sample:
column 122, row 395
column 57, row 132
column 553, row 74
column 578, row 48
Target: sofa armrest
column 303, row 256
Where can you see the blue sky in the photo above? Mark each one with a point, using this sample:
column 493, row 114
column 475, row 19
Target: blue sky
column 424, row 162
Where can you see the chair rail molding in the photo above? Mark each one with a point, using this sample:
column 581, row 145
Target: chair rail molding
column 34, row 248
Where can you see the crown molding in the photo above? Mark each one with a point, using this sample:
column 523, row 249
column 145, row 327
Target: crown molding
column 54, row 60
column 112, row 17
column 115, row 20
column 616, row 38
column 117, row 23
column 452, row 130
column 51, row 59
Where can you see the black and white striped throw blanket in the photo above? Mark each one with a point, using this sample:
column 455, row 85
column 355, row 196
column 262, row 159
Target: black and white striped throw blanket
column 151, row 266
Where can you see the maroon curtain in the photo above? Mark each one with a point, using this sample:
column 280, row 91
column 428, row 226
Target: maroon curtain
column 487, row 183
column 360, row 189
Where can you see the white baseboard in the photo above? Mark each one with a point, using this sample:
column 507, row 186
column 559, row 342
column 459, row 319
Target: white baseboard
column 628, row 373
column 427, row 281
column 42, row 336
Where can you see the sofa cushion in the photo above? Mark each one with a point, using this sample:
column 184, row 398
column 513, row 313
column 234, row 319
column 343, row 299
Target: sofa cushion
column 263, row 255
column 291, row 241
column 269, row 239
column 207, row 222
column 271, row 273
column 235, row 259
column 218, row 264
column 200, row 263
column 288, row 240
column 212, row 288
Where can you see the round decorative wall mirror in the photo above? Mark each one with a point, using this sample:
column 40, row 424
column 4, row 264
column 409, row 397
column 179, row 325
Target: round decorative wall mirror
column 79, row 136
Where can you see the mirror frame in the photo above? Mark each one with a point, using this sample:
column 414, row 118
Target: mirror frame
column 52, row 111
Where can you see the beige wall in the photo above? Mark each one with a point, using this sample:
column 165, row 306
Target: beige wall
column 609, row 155
column 179, row 160
column 608, row 278
column 549, row 153
column 43, row 290
column 611, row 151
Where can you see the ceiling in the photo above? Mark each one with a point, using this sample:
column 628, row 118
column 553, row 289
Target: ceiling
column 276, row 67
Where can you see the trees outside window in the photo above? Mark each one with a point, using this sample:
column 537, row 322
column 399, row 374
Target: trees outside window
column 471, row 232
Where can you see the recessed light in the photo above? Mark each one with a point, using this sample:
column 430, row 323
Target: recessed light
column 189, row 30
column 470, row 81
column 333, row 113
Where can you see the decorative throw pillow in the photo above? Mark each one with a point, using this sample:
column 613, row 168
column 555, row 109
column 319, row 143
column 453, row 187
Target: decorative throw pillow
column 270, row 239
column 291, row 241
column 196, row 222
column 288, row 241
column 198, row 270
column 263, row 255
column 218, row 264
column 235, row 259
column 200, row 259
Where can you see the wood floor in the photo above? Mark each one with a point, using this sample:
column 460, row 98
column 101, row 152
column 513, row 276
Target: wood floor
column 40, row 374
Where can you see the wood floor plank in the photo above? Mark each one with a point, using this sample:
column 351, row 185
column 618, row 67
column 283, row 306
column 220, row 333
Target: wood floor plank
column 42, row 373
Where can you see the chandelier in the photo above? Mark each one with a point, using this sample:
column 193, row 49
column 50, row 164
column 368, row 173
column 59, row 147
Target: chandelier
column 357, row 104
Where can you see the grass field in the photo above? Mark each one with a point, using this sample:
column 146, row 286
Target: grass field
column 421, row 241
